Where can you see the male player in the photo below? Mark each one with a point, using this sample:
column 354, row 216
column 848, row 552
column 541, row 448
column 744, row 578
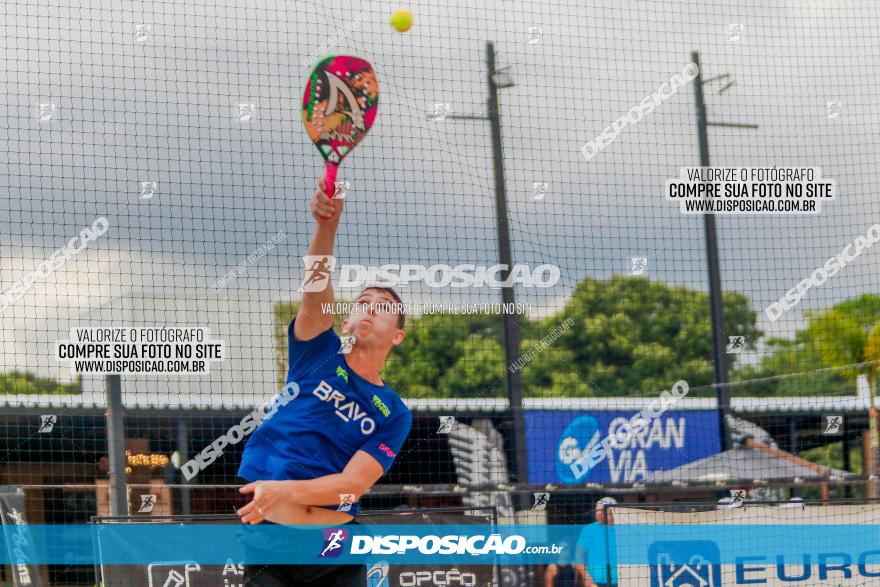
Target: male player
column 599, row 549
column 311, row 462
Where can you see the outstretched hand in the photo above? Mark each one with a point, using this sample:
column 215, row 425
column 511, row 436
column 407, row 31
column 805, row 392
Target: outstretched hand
column 268, row 495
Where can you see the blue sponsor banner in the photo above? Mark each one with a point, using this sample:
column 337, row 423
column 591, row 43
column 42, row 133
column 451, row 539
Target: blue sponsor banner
column 471, row 544
column 557, row 438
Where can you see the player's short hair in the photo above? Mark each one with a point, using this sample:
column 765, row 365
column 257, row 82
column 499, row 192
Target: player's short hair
column 401, row 315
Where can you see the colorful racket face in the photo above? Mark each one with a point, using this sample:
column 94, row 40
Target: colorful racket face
column 339, row 106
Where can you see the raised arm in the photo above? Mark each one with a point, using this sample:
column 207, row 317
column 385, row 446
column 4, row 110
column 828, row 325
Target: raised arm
column 312, row 319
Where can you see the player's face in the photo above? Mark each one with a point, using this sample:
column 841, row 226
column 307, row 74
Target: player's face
column 604, row 515
column 373, row 321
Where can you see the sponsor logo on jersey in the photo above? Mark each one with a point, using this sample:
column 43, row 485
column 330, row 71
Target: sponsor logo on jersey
column 347, row 409
column 381, row 405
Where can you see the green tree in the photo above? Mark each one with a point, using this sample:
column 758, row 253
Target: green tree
column 633, row 336
column 444, row 352
column 623, row 336
column 24, row 382
column 824, row 357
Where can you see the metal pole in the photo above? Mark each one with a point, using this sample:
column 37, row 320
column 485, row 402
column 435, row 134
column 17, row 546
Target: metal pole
column 847, row 462
column 719, row 344
column 183, row 453
column 510, row 328
column 116, row 446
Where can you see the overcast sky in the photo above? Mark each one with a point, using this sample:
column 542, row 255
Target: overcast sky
column 165, row 108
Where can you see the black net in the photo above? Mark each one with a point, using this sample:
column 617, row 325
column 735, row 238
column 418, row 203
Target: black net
column 534, row 187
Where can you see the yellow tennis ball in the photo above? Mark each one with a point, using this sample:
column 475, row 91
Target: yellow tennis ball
column 401, row 20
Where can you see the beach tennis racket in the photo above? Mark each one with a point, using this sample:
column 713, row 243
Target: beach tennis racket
column 339, row 106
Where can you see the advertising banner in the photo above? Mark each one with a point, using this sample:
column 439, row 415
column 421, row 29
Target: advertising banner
column 557, row 438
column 830, row 545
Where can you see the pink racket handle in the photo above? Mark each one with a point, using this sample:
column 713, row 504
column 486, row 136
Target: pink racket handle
column 330, row 179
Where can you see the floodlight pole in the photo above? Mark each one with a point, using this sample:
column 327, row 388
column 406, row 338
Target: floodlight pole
column 719, row 343
column 510, row 329
column 509, row 325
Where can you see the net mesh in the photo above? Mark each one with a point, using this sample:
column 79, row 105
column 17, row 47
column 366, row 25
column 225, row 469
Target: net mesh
column 156, row 175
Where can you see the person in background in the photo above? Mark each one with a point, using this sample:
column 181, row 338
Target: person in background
column 563, row 573
column 598, row 550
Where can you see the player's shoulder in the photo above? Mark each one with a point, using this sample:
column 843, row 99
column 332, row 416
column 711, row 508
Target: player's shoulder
column 327, row 337
column 398, row 406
